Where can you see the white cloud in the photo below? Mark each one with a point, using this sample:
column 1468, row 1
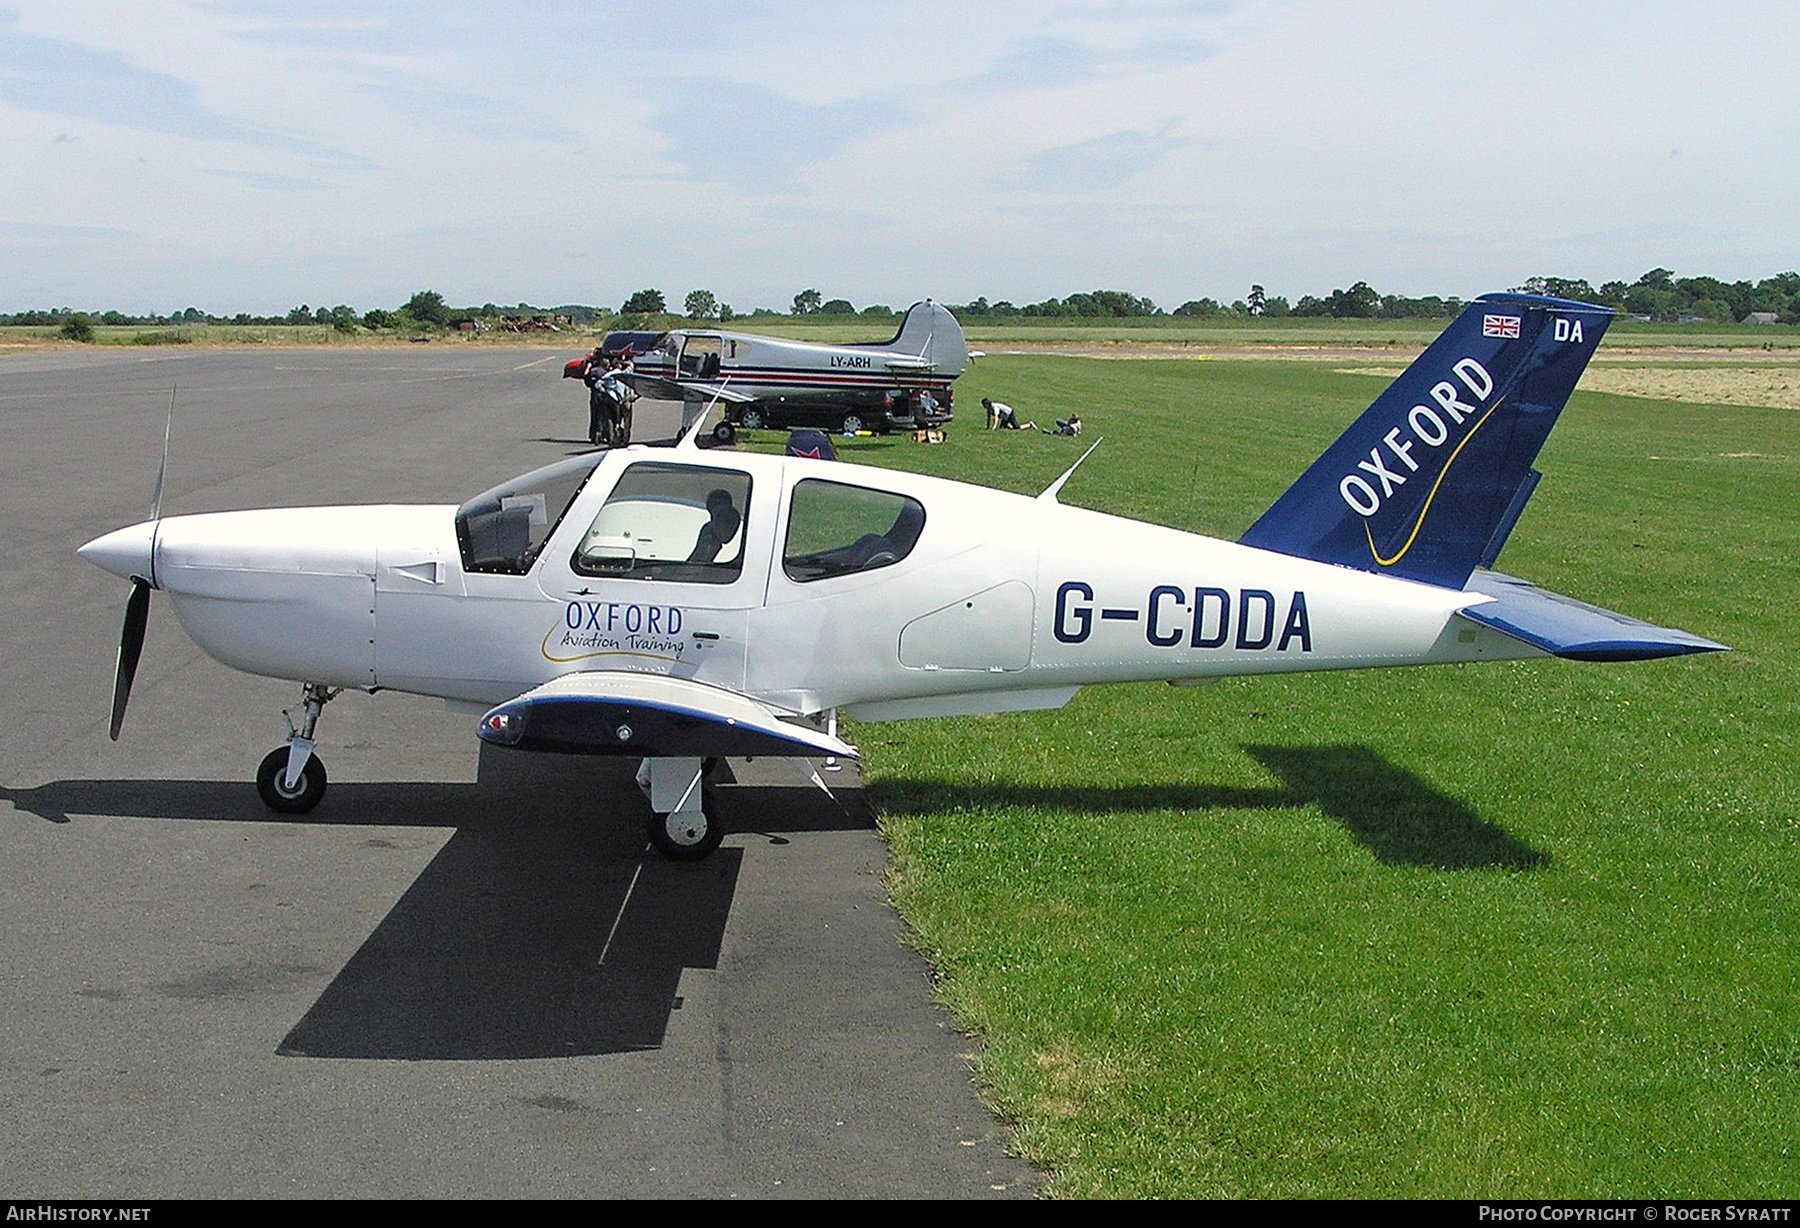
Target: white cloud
column 497, row 151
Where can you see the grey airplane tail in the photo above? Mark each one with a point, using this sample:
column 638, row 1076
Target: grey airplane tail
column 930, row 334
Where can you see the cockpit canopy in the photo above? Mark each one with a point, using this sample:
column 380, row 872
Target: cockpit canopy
column 668, row 520
column 503, row 530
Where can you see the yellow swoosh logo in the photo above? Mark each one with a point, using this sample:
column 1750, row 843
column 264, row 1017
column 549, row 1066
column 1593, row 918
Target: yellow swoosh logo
column 1444, row 472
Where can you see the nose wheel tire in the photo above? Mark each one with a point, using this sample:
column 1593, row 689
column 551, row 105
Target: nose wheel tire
column 271, row 783
column 690, row 835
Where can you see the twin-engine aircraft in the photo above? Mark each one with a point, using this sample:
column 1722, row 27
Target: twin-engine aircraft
column 773, row 382
column 679, row 605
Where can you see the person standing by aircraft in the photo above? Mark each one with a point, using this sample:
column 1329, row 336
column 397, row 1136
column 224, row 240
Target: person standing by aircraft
column 608, row 398
column 628, row 396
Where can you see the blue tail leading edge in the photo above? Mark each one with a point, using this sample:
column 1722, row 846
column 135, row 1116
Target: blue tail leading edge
column 1428, row 483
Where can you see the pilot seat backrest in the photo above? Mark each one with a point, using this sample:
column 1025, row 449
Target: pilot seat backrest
column 907, row 527
column 512, row 530
column 723, row 522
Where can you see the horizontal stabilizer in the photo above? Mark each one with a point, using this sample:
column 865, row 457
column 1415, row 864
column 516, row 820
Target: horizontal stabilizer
column 1571, row 628
column 648, row 715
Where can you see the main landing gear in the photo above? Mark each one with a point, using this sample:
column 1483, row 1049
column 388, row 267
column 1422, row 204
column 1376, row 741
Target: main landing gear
column 687, row 820
column 291, row 779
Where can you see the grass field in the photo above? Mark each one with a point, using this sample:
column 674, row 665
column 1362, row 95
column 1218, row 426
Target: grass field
column 1522, row 930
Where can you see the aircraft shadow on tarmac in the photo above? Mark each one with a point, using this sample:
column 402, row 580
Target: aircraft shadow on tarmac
column 544, row 927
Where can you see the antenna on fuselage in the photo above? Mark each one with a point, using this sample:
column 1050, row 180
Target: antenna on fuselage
column 1049, row 495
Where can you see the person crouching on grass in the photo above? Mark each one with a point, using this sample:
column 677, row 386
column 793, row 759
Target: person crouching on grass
column 1001, row 415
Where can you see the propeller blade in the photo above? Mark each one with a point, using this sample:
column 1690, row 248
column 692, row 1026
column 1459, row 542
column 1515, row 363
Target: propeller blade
column 131, row 647
column 137, row 606
column 162, row 469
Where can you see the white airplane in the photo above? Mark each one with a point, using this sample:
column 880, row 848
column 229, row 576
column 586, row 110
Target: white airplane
column 678, row 605
column 772, row 382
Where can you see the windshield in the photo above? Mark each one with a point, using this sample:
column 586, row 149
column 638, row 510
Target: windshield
column 503, row 529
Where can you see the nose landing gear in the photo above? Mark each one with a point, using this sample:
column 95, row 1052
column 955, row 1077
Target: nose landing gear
column 291, row 780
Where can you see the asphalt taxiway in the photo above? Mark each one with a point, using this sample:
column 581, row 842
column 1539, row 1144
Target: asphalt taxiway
column 463, row 976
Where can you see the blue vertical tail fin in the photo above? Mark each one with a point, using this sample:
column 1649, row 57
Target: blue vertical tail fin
column 1429, row 481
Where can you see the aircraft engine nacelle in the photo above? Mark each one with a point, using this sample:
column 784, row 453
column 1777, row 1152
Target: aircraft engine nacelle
column 308, row 574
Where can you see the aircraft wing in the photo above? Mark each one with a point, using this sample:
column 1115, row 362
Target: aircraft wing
column 658, row 388
column 649, row 715
column 712, row 392
column 653, row 386
column 1570, row 628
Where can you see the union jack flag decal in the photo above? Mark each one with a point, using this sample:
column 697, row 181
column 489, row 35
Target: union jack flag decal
column 1500, row 326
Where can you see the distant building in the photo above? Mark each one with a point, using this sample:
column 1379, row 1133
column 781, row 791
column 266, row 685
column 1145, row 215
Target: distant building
column 1760, row 317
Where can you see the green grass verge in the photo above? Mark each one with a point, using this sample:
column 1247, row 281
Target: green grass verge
column 1520, row 930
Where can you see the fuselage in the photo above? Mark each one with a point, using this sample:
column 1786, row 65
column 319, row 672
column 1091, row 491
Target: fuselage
column 806, row 584
column 925, row 356
column 767, row 368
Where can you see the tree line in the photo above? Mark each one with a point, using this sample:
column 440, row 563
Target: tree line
column 425, row 310
column 1657, row 295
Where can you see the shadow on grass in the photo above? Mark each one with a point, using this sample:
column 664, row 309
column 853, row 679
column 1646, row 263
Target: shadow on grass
column 1394, row 814
column 1391, row 812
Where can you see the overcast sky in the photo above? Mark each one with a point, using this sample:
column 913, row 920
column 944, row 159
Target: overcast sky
column 252, row 155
